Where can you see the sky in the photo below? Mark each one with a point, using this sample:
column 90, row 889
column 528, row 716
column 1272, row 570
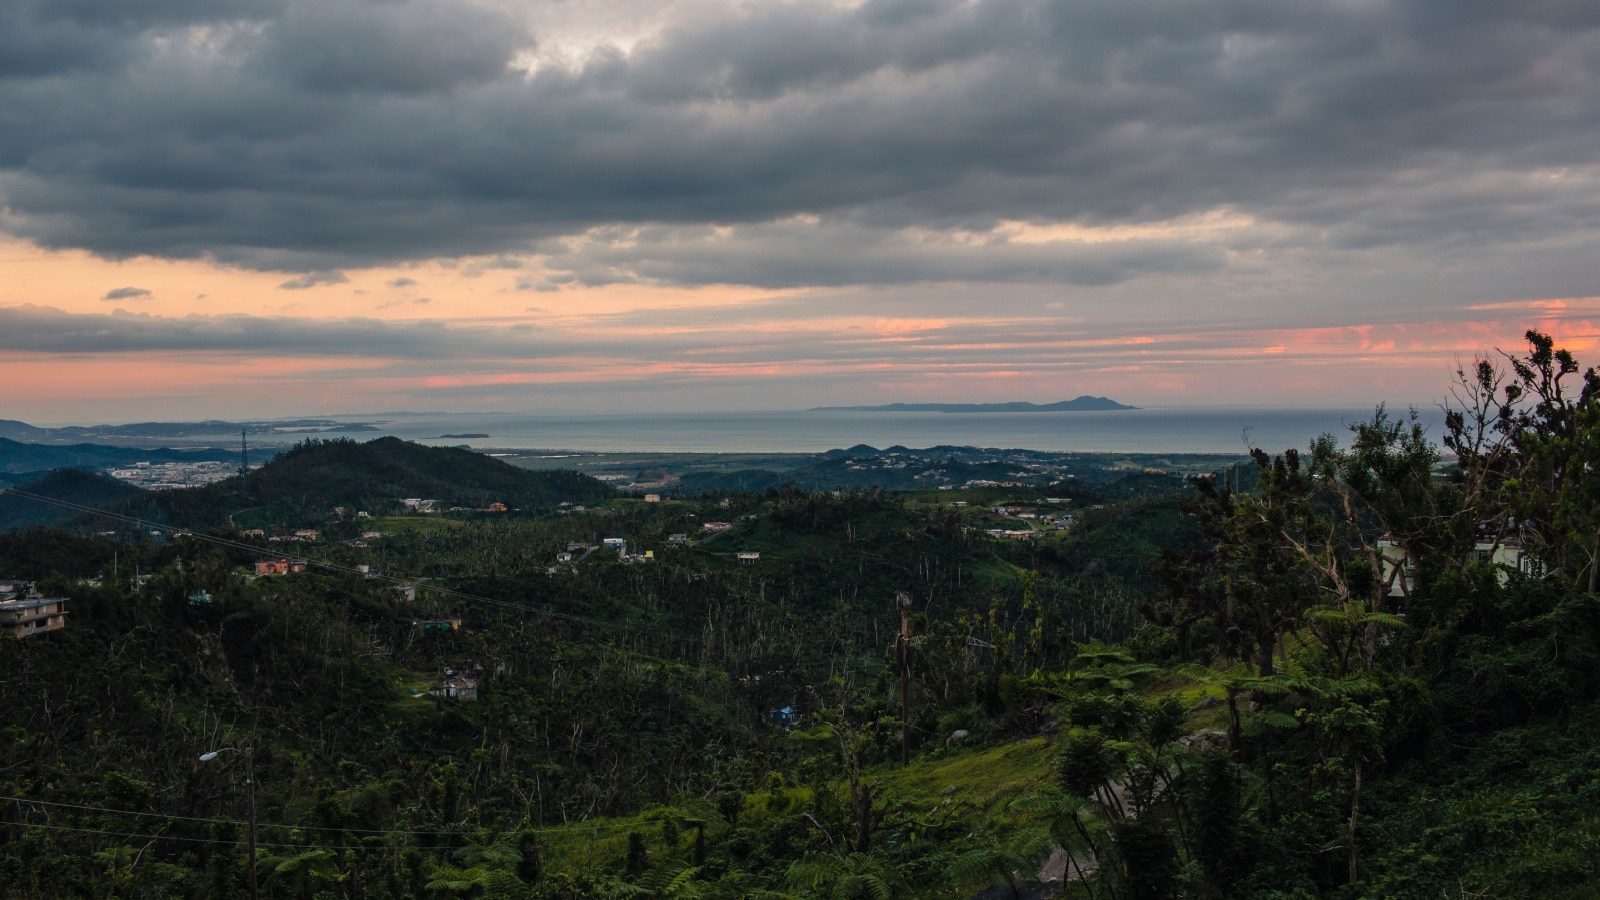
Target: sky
column 251, row 208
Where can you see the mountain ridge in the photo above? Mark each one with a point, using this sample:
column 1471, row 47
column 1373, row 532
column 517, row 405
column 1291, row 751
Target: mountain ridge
column 1083, row 403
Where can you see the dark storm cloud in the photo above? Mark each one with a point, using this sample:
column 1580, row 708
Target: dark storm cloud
column 46, row 330
column 792, row 254
column 314, row 136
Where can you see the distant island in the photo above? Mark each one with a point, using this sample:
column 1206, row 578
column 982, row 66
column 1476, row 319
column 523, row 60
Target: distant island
column 462, row 436
column 1085, row 403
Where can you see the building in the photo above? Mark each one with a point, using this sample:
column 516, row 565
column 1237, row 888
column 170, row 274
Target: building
column 652, row 498
column 1392, row 555
column 280, row 566
column 618, row 544
column 10, row 589
column 678, row 538
column 405, row 591
column 714, row 527
column 460, row 688
column 749, row 557
column 33, row 615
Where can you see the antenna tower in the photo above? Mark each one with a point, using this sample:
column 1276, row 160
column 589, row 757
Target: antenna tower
column 244, row 461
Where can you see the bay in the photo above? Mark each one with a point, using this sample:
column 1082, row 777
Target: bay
column 1152, row 430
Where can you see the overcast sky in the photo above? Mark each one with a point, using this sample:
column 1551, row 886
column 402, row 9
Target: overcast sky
column 377, row 204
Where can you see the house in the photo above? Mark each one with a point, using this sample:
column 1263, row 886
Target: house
column 305, row 534
column 678, row 538
column 9, row 589
column 371, row 535
column 652, row 498
column 33, row 615
column 496, row 507
column 749, row 557
column 405, row 591
column 1392, row 555
column 460, row 688
column 564, row 557
column 280, row 566
column 200, row 598
column 618, row 544
column 715, row 527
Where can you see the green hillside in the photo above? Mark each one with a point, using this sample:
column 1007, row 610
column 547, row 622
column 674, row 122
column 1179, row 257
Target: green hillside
column 305, row 484
column 16, row 456
column 71, row 485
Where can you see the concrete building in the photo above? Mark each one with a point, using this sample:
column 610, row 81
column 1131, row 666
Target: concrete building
column 280, row 566
column 32, row 615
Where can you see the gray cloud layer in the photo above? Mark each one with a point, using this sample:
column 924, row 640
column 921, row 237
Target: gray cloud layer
column 290, row 134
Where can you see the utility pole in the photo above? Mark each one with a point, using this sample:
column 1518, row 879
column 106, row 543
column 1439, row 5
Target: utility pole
column 250, row 801
column 902, row 646
column 250, row 807
column 244, row 462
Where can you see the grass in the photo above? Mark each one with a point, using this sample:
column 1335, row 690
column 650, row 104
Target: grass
column 392, row 525
column 988, row 780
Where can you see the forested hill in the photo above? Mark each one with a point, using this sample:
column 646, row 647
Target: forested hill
column 18, row 457
column 71, row 485
column 307, row 482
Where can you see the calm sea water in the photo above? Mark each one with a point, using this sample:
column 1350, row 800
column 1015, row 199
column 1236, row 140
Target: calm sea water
column 1186, row 430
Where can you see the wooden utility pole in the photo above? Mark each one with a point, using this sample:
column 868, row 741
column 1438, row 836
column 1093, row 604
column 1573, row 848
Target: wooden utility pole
column 902, row 646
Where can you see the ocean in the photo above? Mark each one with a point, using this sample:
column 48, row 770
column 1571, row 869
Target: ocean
column 1156, row 430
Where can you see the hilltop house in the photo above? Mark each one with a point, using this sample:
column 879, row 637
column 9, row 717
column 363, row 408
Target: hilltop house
column 33, row 615
column 280, row 566
column 749, row 557
column 1507, row 552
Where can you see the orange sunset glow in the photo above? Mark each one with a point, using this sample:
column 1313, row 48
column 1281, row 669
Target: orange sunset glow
column 468, row 233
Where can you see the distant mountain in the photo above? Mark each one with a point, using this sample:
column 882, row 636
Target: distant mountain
column 308, row 481
column 16, row 457
column 1085, row 403
column 157, row 431
column 71, row 485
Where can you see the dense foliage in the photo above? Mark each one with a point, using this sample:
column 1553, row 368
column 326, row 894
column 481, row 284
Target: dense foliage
column 1361, row 669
